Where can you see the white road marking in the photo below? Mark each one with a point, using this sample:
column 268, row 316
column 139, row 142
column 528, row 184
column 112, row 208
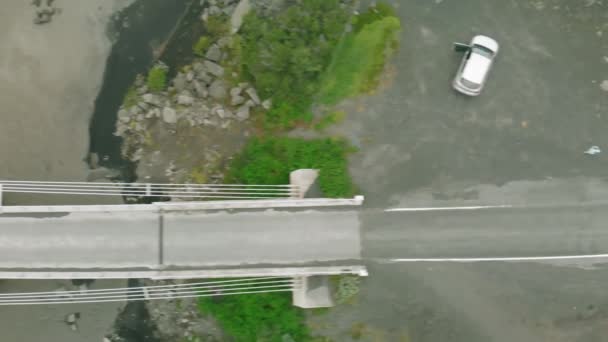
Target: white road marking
column 475, row 207
column 533, row 258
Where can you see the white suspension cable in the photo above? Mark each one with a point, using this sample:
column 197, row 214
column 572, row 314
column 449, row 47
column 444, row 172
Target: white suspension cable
column 226, row 287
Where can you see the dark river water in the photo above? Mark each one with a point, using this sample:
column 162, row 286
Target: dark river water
column 138, row 31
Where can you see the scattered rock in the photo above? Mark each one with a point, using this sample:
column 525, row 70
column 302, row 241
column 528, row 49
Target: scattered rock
column 253, row 95
column 237, row 100
column 266, row 104
column 151, row 99
column 243, row 113
column 224, row 42
column 190, row 76
column 93, row 160
column 123, row 113
column 235, row 91
column 185, row 100
column 221, row 113
column 72, row 320
column 180, row 82
column 169, row 115
column 217, row 90
column 214, row 10
column 143, row 106
column 199, row 89
column 214, row 68
column 214, row 53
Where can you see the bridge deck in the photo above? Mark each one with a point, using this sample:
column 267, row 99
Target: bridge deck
column 160, row 240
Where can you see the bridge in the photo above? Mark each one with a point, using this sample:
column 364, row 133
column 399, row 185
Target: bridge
column 262, row 231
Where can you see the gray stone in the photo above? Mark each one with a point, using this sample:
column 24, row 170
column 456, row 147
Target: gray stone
column 204, row 77
column 169, row 115
column 198, row 67
column 190, row 76
column 221, row 113
column 237, row 100
column 242, row 113
column 228, row 10
column 142, row 90
column 143, row 106
column 224, row 42
column 185, row 100
column 235, row 91
column 250, row 103
column 123, row 113
column 214, row 68
column 214, row 10
column 253, row 95
column 214, row 53
column 150, row 99
column 134, row 111
column 156, row 112
column 266, row 104
column 217, row 90
column 199, row 89
column 180, row 82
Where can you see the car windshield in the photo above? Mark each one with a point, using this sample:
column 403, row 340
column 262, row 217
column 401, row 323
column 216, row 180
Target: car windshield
column 469, row 84
column 482, row 50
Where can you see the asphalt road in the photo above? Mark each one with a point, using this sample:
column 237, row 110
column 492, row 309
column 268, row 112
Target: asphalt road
column 526, row 232
column 423, row 145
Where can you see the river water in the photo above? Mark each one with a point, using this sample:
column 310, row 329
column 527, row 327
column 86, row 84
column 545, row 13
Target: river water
column 62, row 83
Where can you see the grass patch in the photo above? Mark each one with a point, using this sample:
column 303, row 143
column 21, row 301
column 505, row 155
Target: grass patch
column 257, row 317
column 130, row 98
column 201, row 46
column 157, row 77
column 361, row 56
column 330, row 119
column 285, row 56
column 270, row 160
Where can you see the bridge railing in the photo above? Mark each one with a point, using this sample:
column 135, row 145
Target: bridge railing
column 185, row 191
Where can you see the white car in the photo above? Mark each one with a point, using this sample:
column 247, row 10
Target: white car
column 475, row 65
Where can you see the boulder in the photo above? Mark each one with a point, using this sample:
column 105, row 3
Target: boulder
column 214, row 68
column 204, row 77
column 253, row 95
column 169, row 115
column 237, row 100
column 150, row 99
column 266, row 104
column 224, row 42
column 180, row 82
column 217, row 90
column 190, row 76
column 123, row 113
column 199, row 89
column 214, row 53
column 214, row 10
column 185, row 100
column 242, row 113
column 235, row 91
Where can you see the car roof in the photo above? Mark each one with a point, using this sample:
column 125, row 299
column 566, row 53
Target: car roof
column 476, row 68
column 485, row 41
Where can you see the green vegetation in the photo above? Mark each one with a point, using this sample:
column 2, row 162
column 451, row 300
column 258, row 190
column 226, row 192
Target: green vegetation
column 330, row 119
column 201, row 46
column 257, row 317
column 157, row 77
column 130, row 98
column 286, row 56
column 361, row 56
column 270, row 160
